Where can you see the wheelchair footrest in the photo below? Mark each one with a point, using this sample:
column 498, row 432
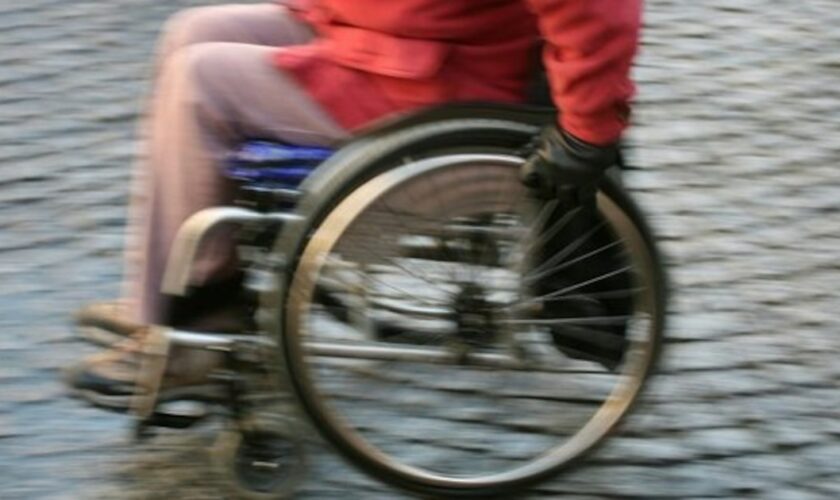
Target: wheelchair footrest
column 174, row 415
column 178, row 414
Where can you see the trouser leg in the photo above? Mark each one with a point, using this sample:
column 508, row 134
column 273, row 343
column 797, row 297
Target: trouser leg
column 209, row 97
column 261, row 24
column 267, row 24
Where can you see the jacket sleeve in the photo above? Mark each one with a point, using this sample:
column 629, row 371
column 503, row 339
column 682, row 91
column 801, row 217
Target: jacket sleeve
column 589, row 49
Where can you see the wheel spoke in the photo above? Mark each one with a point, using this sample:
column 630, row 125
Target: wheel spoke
column 571, row 288
column 546, row 270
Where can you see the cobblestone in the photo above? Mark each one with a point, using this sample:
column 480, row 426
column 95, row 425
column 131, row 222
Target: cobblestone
column 737, row 158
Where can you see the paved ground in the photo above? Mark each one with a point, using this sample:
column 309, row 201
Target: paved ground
column 738, row 116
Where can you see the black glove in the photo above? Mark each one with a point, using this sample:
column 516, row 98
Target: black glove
column 565, row 167
column 573, row 249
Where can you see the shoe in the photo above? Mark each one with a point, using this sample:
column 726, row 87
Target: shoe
column 219, row 307
column 105, row 323
column 579, row 275
column 110, row 379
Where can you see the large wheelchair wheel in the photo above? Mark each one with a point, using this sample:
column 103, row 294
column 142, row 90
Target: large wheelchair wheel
column 411, row 328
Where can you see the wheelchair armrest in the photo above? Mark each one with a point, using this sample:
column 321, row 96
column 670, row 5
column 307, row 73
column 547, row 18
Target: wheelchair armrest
column 191, row 235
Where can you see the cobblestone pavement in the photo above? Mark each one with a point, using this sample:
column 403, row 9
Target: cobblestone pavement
column 737, row 142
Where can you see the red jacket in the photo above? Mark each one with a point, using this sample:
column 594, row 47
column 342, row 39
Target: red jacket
column 373, row 58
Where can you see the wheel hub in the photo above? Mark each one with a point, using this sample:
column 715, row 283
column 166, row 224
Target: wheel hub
column 474, row 316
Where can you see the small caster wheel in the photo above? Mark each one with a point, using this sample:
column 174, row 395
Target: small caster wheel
column 264, row 462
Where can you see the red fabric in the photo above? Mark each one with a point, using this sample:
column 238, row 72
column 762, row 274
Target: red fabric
column 373, row 58
column 591, row 45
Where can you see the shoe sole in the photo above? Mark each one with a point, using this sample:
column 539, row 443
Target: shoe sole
column 101, row 336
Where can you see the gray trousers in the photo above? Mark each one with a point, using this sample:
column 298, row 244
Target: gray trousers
column 215, row 85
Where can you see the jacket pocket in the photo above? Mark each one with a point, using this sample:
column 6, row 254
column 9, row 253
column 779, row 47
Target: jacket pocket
column 383, row 54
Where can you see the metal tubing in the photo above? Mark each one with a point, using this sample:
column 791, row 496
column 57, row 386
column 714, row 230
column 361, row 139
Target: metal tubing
column 225, row 341
column 411, row 354
column 442, row 356
column 212, row 341
column 190, row 236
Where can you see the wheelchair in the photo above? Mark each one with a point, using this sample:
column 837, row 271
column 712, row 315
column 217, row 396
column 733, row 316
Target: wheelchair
column 395, row 311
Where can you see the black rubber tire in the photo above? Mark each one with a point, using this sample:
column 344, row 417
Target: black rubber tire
column 362, row 161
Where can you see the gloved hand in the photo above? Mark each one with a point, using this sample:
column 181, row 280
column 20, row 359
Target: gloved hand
column 573, row 250
column 565, row 167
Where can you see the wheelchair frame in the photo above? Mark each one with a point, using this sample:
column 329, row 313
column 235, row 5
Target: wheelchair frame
column 340, row 174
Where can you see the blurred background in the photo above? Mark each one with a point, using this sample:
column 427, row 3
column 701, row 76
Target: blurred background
column 737, row 144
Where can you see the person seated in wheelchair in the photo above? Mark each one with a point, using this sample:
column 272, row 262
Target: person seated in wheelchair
column 313, row 73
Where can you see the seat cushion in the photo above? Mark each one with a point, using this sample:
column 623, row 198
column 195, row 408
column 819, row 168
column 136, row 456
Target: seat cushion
column 274, row 162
